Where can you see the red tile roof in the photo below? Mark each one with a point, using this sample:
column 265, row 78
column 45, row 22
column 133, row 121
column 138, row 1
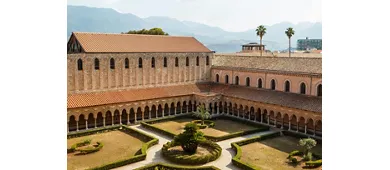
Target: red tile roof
column 103, row 43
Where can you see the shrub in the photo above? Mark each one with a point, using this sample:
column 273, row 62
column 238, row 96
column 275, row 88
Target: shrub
column 314, row 164
column 294, row 153
column 163, row 166
column 91, row 149
column 294, row 160
column 190, row 138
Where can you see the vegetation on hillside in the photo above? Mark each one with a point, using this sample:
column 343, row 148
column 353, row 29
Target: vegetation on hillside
column 152, row 31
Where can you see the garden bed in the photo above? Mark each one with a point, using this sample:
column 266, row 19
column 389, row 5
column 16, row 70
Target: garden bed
column 163, row 166
column 122, row 145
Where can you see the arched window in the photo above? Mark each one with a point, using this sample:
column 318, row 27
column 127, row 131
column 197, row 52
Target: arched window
column 79, row 64
column 207, row 60
column 153, row 62
column 217, row 78
column 273, row 84
column 176, row 62
column 319, row 90
column 287, row 86
column 140, row 62
column 187, row 61
column 237, row 81
column 197, row 60
column 165, row 62
column 126, row 63
column 248, row 81
column 112, row 63
column 260, row 83
column 96, row 64
column 303, row 88
column 226, row 79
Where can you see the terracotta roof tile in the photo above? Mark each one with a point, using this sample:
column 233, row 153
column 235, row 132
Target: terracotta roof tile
column 104, row 42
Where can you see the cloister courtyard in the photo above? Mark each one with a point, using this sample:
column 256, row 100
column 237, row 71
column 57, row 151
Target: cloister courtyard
column 120, row 146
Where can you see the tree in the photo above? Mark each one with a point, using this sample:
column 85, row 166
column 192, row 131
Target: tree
column 202, row 113
column 260, row 31
column 289, row 32
column 152, row 31
column 307, row 145
column 190, row 138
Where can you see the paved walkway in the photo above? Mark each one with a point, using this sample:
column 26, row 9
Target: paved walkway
column 154, row 153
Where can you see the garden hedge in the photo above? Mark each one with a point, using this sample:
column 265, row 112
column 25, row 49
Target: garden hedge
column 261, row 128
column 91, row 150
column 313, row 164
column 141, row 156
column 190, row 159
column 163, row 166
column 236, row 147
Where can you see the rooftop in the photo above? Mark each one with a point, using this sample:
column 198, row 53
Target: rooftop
column 291, row 100
column 106, row 43
column 302, row 65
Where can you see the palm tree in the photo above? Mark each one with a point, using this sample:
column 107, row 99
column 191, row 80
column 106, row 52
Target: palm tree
column 202, row 113
column 260, row 31
column 289, row 32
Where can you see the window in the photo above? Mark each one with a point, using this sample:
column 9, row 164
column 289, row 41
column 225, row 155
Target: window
column 140, row 62
column 126, row 63
column 248, row 81
column 260, row 83
column 187, row 61
column 237, row 81
column 165, row 62
column 273, row 84
column 96, row 64
column 226, row 79
column 319, row 90
column 207, row 60
column 303, row 88
column 217, row 78
column 79, row 64
column 176, row 62
column 153, row 62
column 112, row 63
column 287, row 86
column 197, row 60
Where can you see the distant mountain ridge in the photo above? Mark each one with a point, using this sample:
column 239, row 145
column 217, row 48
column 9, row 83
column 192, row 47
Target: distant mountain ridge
column 90, row 19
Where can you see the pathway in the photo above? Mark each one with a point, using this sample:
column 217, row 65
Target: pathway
column 154, row 153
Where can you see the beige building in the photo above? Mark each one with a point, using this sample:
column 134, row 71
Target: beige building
column 125, row 79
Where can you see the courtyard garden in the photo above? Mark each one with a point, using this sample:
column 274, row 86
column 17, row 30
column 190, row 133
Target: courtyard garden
column 277, row 152
column 107, row 148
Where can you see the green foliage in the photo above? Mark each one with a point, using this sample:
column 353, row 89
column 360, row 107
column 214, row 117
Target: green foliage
column 294, row 160
column 153, row 31
column 207, row 123
column 164, row 166
column 289, row 32
column 314, row 164
column 91, row 149
column 202, row 113
column 294, row 153
column 215, row 153
column 307, row 144
column 190, row 138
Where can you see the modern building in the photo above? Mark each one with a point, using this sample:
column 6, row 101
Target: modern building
column 252, row 47
column 309, row 44
column 125, row 79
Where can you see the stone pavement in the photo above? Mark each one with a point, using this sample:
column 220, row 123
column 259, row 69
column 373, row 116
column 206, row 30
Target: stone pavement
column 154, row 153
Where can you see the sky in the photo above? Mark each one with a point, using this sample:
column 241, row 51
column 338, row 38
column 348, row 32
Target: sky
column 230, row 15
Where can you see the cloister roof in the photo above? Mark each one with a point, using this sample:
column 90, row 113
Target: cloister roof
column 292, row 100
column 105, row 42
column 283, row 64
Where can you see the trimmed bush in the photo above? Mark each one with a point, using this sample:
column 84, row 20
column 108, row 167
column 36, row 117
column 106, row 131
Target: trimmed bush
column 314, row 164
column 91, row 149
column 79, row 144
column 294, row 160
column 192, row 159
column 163, row 166
column 294, row 153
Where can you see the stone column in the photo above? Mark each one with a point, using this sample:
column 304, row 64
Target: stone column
column 218, row 110
column 120, row 119
column 104, row 121
column 67, row 127
column 268, row 120
column 95, row 123
column 142, row 114
column 112, row 120
column 305, row 129
column 181, row 109
column 135, row 117
column 238, row 112
column 128, row 118
column 150, row 114
column 275, row 122
column 227, row 110
column 86, row 124
column 174, row 111
column 163, row 112
column 77, row 125
column 187, row 109
column 289, row 125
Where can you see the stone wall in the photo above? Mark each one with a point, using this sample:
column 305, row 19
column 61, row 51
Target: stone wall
column 91, row 80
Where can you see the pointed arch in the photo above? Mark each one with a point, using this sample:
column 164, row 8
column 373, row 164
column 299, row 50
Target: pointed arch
column 140, row 62
column 287, row 86
column 207, row 60
column 99, row 119
column 124, row 117
column 286, row 119
column 237, row 80
column 166, row 109
column 153, row 62
column 319, row 90
column 79, row 64
column 310, row 126
column 91, row 121
column 97, row 64
column 176, row 62
column 197, row 60
column 226, row 79
column 132, row 115
column 187, row 61
column 248, row 81
column 127, row 63
column 72, row 123
column 112, row 63
column 139, row 114
column 153, row 112
column 159, row 111
column 301, row 125
column 172, row 109
column 165, row 62
column 217, row 78
column 303, row 88
column 259, row 83
column 146, row 112
column 273, row 84
column 116, row 117
column 108, row 118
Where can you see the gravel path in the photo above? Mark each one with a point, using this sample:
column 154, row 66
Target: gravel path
column 154, row 153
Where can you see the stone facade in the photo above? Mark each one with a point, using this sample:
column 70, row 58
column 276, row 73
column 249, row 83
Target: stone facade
column 104, row 79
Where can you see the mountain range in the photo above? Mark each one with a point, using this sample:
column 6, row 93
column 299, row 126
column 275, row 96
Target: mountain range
column 106, row 20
